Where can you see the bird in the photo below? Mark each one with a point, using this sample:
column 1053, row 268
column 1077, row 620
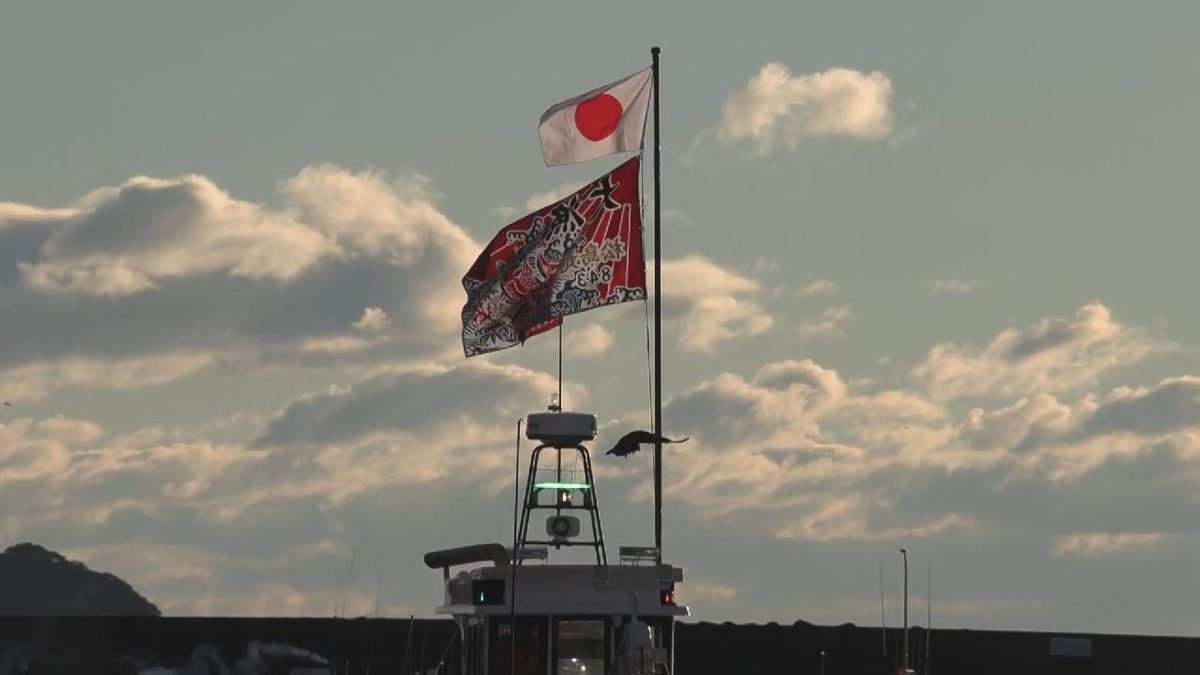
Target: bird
column 8, row 404
column 632, row 442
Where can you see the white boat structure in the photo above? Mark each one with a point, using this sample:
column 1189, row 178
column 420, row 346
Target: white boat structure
column 570, row 618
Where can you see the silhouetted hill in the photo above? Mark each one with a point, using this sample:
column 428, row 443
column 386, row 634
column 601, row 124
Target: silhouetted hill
column 38, row 582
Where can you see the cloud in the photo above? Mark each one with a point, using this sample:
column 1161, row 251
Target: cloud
column 592, row 340
column 35, row 450
column 708, row 304
column 811, row 457
column 1173, row 404
column 849, row 518
column 817, row 288
column 675, row 217
column 536, row 201
column 540, row 199
column 374, row 320
column 125, row 240
column 1053, row 355
column 779, row 110
column 384, row 403
column 158, row 278
column 504, row 211
column 790, row 451
column 707, row 592
column 831, row 322
column 1103, row 543
column 953, row 287
column 795, row 447
column 201, row 523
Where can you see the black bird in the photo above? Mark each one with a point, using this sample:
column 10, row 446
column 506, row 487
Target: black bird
column 632, row 442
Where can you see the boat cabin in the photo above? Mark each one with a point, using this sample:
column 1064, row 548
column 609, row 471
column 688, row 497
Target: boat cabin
column 570, row 619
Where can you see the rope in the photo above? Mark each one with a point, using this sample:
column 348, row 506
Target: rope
column 646, row 310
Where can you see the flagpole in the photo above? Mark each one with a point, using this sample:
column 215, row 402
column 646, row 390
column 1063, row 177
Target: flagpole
column 658, row 425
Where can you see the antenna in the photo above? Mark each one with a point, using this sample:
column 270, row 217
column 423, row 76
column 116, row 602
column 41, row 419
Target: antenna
column 346, row 586
column 928, row 613
column 882, row 614
column 408, row 643
column 379, row 585
column 904, row 552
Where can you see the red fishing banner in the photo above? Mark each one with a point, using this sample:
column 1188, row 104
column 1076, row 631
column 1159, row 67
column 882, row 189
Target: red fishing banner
column 576, row 254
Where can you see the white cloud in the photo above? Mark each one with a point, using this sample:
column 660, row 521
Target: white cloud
column 831, row 322
column 504, row 211
column 589, row 341
column 540, row 199
column 373, row 320
column 34, row 381
column 31, row 450
column 709, row 304
column 201, row 522
column 813, row 458
column 126, row 240
column 1053, row 355
column 706, row 592
column 778, row 109
column 790, row 452
column 1103, row 543
column 849, row 518
column 816, row 288
column 158, row 278
column 672, row 216
column 952, row 287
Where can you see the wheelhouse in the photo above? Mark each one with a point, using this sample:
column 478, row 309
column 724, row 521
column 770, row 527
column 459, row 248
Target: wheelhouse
column 520, row 614
column 570, row 619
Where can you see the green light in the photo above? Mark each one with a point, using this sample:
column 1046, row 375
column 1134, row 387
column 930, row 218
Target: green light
column 482, row 598
column 561, row 486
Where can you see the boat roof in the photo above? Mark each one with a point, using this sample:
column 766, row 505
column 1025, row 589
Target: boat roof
column 551, row 588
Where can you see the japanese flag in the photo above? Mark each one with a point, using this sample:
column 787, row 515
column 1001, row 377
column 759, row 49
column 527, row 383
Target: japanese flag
column 602, row 122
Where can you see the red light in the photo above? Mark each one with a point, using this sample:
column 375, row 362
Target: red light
column 667, row 597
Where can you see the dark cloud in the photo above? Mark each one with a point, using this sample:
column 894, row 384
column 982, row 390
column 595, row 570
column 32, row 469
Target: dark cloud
column 411, row 401
column 1170, row 406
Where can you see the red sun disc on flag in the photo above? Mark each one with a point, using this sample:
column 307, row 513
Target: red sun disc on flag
column 597, row 117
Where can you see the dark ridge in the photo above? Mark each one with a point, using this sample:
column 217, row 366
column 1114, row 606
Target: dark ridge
column 38, row 582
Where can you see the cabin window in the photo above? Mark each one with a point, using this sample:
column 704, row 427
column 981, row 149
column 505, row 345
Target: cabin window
column 580, row 647
column 474, row 648
column 531, row 646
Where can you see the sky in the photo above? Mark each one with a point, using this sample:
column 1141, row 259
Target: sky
column 926, row 284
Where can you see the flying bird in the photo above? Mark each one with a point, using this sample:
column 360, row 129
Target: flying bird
column 632, row 442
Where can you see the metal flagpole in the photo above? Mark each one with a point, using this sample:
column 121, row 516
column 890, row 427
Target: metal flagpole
column 658, row 294
column 904, row 552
